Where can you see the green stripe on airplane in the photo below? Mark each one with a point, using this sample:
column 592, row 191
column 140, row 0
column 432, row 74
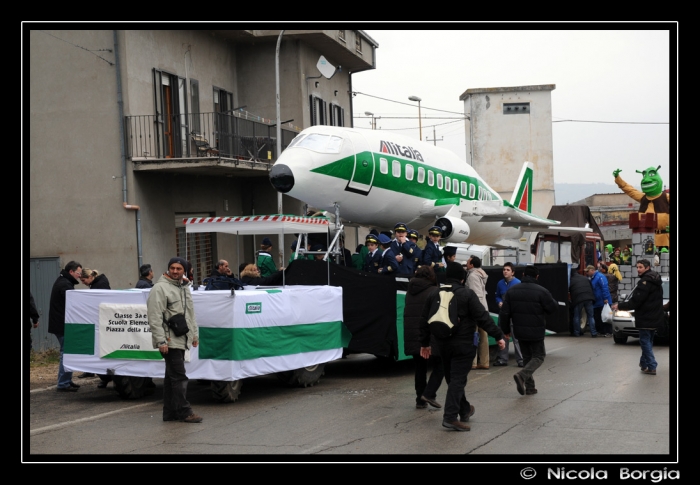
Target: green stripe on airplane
column 344, row 168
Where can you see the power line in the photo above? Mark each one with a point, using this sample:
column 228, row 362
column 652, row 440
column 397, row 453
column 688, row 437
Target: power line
column 354, row 93
column 617, row 122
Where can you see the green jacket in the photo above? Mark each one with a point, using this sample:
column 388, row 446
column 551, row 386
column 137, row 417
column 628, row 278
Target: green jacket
column 266, row 264
column 166, row 298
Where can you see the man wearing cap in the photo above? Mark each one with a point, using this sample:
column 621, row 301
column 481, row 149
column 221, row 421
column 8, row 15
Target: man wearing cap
column 374, row 258
column 457, row 352
column 171, row 296
column 265, row 262
column 146, row 279
column 601, row 293
column 389, row 265
column 432, row 254
column 403, row 249
column 417, row 251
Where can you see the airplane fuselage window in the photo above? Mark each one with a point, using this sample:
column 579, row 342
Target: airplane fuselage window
column 421, row 175
column 409, row 172
column 448, row 183
column 472, row 189
column 321, row 143
column 383, row 166
column 396, row 168
column 431, row 178
column 439, row 181
column 464, row 189
column 455, row 186
column 481, row 195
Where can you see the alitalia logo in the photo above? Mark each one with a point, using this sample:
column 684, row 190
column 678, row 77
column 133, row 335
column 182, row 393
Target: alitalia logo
column 394, row 149
column 253, row 307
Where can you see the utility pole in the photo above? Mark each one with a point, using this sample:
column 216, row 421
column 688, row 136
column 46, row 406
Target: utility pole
column 434, row 140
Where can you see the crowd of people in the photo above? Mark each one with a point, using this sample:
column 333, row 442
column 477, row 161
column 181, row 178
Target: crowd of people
column 523, row 305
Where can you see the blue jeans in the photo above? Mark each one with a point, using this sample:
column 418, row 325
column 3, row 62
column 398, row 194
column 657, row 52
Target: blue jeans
column 588, row 306
column 64, row 378
column 646, row 340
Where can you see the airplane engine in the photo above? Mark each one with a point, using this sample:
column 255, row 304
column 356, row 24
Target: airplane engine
column 453, row 229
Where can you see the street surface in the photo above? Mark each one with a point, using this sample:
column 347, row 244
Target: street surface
column 593, row 403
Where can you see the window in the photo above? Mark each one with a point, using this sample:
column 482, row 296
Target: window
column 194, row 106
column 383, row 166
column 171, row 114
column 337, row 115
column 455, row 186
column 320, row 143
column 481, row 195
column 318, row 110
column 448, row 183
column 194, row 247
column 358, row 43
column 341, row 35
column 439, row 181
column 223, row 126
column 472, row 189
column 464, row 189
column 396, row 168
column 421, row 175
column 409, row 171
column 431, row 178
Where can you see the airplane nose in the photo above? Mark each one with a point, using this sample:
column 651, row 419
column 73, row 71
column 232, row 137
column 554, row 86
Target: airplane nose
column 281, row 178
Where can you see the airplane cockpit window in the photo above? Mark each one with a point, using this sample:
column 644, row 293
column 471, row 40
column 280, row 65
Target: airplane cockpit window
column 296, row 140
column 409, row 172
column 421, row 175
column 320, row 143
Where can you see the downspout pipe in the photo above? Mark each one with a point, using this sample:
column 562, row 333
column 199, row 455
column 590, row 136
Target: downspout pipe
column 122, row 145
column 280, row 237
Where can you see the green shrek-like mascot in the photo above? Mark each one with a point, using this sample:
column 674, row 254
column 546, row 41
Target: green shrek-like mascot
column 651, row 200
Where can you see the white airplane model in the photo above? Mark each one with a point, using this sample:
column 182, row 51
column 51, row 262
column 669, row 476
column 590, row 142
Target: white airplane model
column 378, row 179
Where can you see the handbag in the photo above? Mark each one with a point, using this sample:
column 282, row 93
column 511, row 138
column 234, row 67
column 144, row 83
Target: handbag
column 178, row 324
column 606, row 314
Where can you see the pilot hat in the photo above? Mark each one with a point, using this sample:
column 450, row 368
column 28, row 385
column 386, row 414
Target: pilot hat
column 449, row 250
column 371, row 238
column 266, row 242
column 384, row 239
column 435, row 231
column 413, row 233
column 400, row 226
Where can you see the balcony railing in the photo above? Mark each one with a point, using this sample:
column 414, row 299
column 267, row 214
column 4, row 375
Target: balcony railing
column 238, row 136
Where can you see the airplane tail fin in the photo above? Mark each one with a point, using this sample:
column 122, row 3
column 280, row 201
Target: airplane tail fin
column 522, row 195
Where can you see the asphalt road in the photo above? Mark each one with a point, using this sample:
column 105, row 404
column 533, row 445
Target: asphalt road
column 593, row 403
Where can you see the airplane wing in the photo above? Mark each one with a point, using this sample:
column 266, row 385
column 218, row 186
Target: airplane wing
column 504, row 212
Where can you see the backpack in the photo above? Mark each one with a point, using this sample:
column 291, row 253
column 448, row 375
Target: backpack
column 444, row 317
column 222, row 283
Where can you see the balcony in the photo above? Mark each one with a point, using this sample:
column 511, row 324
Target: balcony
column 237, row 143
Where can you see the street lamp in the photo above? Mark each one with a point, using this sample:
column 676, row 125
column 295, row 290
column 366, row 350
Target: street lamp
column 420, row 126
column 373, row 123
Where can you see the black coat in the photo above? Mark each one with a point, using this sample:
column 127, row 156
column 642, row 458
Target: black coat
column 580, row 289
column 419, row 289
column 274, row 279
column 471, row 314
column 647, row 301
column 144, row 283
column 57, row 303
column 100, row 283
column 525, row 307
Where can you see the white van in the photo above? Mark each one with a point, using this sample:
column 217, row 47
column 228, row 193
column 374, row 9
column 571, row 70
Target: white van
column 465, row 251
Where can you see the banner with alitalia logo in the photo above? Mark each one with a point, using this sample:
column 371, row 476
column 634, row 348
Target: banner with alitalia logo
column 249, row 333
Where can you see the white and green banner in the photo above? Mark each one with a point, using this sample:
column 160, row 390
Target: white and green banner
column 249, row 333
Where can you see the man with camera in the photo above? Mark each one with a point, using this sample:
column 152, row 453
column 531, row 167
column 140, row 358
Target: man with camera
column 169, row 303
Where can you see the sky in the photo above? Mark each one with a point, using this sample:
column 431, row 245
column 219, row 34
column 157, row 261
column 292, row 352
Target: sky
column 618, row 84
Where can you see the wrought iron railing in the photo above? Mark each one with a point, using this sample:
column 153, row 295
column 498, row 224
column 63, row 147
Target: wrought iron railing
column 236, row 136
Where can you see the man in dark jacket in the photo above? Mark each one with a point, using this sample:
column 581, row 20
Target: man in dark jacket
column 647, row 302
column 525, row 307
column 32, row 323
column 581, row 294
column 57, row 318
column 146, row 279
column 457, row 352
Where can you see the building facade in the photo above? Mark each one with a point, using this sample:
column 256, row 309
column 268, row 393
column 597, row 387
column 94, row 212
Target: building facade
column 131, row 131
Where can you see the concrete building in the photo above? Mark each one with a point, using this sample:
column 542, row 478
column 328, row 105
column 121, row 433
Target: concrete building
column 130, row 131
column 507, row 126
